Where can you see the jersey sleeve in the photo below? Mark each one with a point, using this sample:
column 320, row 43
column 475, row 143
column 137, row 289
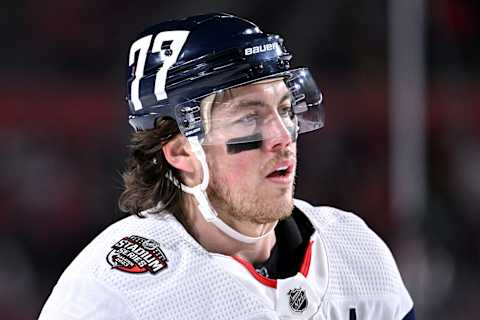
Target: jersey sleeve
column 404, row 309
column 406, row 306
column 82, row 297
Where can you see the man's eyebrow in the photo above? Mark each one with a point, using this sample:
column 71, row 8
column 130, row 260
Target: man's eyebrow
column 259, row 103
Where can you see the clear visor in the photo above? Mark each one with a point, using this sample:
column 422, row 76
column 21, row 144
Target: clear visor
column 284, row 106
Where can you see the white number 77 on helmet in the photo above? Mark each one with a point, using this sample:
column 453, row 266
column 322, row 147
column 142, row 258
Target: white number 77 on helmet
column 168, row 44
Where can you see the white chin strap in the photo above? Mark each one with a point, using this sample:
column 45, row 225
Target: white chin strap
column 207, row 211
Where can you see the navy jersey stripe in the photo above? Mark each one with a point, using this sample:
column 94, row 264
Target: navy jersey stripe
column 410, row 315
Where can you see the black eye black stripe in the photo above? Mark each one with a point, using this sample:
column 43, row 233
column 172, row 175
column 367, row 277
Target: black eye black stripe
column 246, row 143
column 254, row 141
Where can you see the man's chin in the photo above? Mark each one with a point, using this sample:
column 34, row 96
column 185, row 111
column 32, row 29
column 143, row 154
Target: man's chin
column 271, row 219
column 276, row 210
column 265, row 205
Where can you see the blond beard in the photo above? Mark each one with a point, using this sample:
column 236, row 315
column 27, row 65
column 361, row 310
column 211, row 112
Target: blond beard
column 246, row 206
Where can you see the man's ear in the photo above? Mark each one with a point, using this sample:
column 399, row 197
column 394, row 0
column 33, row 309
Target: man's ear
column 179, row 154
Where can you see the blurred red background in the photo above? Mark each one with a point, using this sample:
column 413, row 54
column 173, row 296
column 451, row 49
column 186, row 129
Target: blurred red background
column 64, row 131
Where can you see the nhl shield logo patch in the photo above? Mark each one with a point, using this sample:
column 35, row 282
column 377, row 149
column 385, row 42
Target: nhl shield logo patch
column 297, row 299
column 136, row 254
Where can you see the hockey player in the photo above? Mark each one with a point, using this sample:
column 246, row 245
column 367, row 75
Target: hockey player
column 215, row 232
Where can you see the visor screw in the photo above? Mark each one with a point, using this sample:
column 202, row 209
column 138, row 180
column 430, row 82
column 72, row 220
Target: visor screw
column 259, row 68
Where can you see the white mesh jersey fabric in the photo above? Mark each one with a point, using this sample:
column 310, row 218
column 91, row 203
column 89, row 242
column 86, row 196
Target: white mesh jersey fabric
column 361, row 274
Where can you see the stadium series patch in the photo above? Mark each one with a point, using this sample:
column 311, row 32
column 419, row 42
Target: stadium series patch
column 136, row 254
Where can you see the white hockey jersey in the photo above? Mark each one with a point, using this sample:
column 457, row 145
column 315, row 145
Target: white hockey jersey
column 151, row 268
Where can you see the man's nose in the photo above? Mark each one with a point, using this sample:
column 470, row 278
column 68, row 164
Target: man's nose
column 278, row 134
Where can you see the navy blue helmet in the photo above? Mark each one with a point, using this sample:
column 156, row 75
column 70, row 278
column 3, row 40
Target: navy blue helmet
column 175, row 64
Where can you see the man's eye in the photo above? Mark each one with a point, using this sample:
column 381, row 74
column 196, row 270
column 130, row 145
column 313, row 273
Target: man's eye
column 285, row 111
column 248, row 119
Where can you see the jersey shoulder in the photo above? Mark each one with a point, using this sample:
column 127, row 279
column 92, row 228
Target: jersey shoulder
column 150, row 266
column 324, row 216
column 348, row 240
column 360, row 264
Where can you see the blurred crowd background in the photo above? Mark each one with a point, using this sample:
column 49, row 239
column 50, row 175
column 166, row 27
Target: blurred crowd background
column 64, row 131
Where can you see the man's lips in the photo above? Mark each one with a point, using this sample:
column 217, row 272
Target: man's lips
column 282, row 169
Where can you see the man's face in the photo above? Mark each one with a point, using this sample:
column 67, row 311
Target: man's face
column 252, row 162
